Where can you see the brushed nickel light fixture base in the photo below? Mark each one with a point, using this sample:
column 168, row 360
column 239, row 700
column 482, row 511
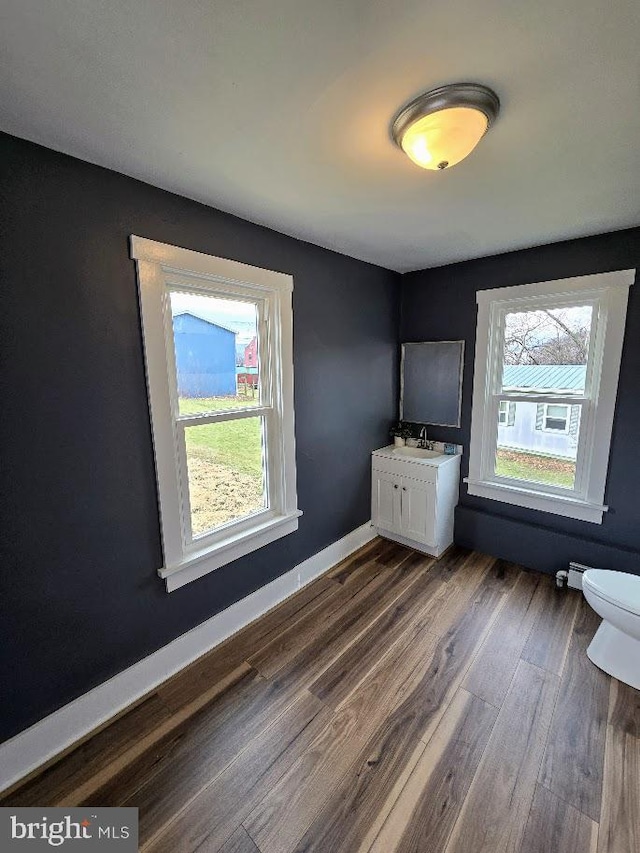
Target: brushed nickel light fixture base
column 461, row 113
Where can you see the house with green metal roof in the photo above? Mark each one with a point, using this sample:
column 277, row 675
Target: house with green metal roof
column 545, row 428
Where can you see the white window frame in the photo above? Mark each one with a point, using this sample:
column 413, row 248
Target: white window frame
column 608, row 294
column 567, row 419
column 162, row 269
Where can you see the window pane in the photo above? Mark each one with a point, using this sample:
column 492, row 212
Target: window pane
column 534, row 449
column 557, row 412
column 547, row 350
column 216, row 350
column 226, row 472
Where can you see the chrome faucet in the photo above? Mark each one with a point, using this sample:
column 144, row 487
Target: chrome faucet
column 423, row 441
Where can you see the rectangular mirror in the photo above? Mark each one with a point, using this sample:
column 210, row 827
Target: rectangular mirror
column 431, row 382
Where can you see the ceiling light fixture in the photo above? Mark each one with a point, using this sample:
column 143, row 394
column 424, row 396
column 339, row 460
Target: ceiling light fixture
column 440, row 128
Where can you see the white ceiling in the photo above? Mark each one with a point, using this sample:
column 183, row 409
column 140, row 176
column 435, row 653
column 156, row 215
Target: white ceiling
column 278, row 111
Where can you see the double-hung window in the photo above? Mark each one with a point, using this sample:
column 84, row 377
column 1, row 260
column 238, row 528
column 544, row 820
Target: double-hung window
column 218, row 352
column 552, row 350
column 556, row 417
column 506, row 413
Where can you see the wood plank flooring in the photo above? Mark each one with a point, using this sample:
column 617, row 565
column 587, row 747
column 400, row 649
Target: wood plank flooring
column 398, row 704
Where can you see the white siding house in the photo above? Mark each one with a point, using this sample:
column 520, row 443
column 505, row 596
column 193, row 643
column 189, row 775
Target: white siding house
column 539, row 427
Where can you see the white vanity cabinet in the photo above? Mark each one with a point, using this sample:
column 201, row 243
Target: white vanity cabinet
column 413, row 495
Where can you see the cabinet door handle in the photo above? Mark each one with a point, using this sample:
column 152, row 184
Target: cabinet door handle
column 404, row 488
column 395, row 486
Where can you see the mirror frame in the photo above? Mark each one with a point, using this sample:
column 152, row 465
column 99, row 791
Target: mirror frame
column 460, row 344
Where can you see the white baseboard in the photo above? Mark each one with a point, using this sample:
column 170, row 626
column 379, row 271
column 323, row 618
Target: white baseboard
column 55, row 733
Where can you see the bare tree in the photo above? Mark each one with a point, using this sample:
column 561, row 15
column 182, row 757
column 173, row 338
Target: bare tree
column 556, row 336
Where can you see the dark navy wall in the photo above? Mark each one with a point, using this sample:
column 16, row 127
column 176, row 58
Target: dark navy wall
column 80, row 542
column 205, row 357
column 440, row 304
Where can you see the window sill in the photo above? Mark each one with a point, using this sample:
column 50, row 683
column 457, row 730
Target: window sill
column 198, row 564
column 544, row 501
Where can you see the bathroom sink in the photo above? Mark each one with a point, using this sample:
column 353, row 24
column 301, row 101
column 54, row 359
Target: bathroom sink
column 416, row 452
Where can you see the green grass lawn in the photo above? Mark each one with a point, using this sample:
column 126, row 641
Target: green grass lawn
column 535, row 467
column 236, row 444
column 198, row 405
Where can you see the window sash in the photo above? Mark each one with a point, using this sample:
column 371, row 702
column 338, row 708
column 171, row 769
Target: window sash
column 266, row 360
column 191, row 284
column 490, row 447
column 498, row 331
column 222, row 531
column 221, row 417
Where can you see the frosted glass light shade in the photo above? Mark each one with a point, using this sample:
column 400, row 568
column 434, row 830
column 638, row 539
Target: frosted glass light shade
column 444, row 138
column 440, row 128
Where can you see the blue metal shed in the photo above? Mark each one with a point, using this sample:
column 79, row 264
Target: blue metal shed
column 205, row 357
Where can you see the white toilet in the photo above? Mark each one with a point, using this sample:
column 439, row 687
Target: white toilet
column 616, row 646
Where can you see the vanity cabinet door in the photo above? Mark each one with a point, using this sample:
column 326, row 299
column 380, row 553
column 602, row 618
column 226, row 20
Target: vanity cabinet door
column 385, row 500
column 418, row 510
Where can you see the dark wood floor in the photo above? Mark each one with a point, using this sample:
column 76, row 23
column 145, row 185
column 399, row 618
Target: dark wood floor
column 396, row 704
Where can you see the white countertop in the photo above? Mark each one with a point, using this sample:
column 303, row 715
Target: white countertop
column 391, row 452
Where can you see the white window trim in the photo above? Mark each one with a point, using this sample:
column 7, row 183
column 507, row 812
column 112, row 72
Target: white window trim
column 586, row 503
column 567, row 420
column 160, row 265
